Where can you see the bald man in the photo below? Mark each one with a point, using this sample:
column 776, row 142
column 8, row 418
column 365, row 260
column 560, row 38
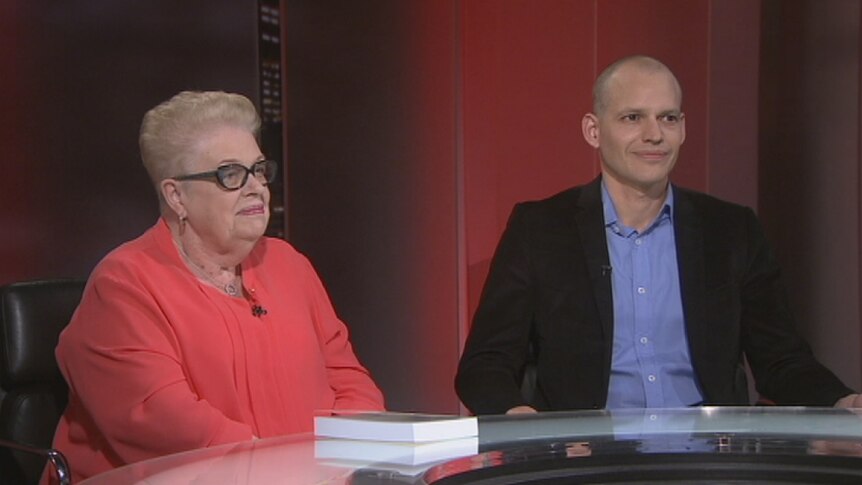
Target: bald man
column 632, row 292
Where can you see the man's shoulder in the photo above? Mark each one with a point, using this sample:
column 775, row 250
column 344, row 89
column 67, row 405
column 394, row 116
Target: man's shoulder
column 566, row 200
column 557, row 213
column 708, row 205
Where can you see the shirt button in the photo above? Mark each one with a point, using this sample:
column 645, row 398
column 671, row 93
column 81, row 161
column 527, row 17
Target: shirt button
column 638, row 241
column 651, row 378
column 641, row 290
column 644, row 340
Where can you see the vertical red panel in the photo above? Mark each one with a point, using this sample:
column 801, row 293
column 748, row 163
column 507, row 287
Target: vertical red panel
column 429, row 191
column 734, row 64
column 677, row 33
column 372, row 184
column 23, row 208
column 859, row 179
column 809, row 169
column 527, row 74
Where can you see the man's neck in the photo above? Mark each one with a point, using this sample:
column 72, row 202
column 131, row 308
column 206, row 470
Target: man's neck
column 636, row 207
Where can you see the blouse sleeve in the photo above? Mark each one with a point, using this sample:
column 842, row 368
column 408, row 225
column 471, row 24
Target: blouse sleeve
column 121, row 359
column 349, row 380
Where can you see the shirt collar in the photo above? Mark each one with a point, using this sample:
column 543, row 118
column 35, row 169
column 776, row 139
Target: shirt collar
column 612, row 219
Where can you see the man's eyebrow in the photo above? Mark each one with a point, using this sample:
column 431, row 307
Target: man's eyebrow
column 640, row 111
column 228, row 161
column 623, row 111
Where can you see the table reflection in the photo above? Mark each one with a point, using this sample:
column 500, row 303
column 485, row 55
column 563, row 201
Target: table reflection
column 691, row 445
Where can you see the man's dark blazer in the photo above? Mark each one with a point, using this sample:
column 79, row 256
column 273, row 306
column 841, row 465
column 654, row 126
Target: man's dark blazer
column 549, row 288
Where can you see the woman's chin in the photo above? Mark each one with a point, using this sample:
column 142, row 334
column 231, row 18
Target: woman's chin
column 252, row 228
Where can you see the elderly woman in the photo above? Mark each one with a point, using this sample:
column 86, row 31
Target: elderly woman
column 202, row 331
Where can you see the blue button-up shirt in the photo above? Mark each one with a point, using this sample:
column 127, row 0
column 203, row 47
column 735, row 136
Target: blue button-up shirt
column 651, row 366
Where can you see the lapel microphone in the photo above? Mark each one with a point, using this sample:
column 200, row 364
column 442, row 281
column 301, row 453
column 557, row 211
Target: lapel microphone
column 606, row 269
column 258, row 310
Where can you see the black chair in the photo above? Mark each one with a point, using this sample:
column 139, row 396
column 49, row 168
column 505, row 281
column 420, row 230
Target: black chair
column 33, row 393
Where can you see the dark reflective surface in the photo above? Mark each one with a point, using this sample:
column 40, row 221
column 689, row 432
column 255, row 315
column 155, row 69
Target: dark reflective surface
column 693, row 446
column 763, row 445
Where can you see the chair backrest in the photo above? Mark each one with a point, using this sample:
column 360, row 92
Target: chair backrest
column 33, row 393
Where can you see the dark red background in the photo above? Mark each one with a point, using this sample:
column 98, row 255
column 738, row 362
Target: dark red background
column 412, row 127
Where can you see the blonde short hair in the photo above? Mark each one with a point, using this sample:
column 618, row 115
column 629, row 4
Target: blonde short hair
column 170, row 131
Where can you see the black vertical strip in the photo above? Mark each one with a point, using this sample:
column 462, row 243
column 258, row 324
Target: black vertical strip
column 270, row 106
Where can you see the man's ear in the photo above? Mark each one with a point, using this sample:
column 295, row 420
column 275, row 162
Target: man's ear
column 590, row 129
column 173, row 196
column 682, row 127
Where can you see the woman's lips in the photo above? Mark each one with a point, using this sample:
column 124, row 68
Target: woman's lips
column 252, row 211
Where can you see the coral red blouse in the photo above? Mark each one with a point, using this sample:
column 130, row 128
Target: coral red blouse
column 158, row 362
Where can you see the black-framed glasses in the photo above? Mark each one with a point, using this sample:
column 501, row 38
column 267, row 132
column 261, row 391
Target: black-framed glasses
column 233, row 176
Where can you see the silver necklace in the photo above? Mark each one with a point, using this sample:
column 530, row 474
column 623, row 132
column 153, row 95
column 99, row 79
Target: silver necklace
column 230, row 288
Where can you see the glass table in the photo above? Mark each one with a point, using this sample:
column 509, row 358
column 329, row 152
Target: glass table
column 708, row 445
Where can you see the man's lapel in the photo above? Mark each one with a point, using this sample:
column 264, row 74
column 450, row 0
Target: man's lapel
column 590, row 222
column 688, row 227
